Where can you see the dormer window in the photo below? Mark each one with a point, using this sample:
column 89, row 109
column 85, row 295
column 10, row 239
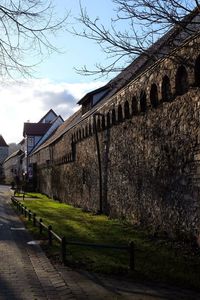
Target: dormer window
column 92, row 98
column 86, row 106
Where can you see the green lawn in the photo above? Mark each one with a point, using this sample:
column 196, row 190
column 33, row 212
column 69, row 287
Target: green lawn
column 155, row 259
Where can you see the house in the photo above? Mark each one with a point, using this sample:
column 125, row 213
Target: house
column 36, row 133
column 17, row 164
column 13, row 166
column 3, row 155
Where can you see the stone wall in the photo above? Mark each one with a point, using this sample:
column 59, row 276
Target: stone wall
column 151, row 166
column 150, row 152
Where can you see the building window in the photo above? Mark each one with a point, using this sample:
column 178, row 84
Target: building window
column 31, row 141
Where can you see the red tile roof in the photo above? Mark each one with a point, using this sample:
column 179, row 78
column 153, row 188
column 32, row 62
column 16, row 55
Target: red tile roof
column 2, row 142
column 37, row 129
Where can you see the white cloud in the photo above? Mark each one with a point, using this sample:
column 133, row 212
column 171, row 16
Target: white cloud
column 31, row 99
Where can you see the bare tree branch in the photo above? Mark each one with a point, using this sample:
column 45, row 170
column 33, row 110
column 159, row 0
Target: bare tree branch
column 26, row 27
column 146, row 21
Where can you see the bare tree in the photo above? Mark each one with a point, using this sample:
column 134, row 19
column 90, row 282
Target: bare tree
column 146, row 22
column 26, row 26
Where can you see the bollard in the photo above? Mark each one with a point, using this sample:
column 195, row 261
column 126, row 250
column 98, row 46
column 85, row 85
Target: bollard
column 40, row 226
column 25, row 211
column 50, row 235
column 132, row 255
column 34, row 219
column 63, row 250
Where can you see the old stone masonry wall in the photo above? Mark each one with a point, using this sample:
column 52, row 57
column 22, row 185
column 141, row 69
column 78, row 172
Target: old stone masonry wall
column 150, row 169
column 150, row 154
column 152, row 165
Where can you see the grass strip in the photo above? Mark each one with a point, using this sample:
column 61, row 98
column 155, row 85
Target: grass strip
column 157, row 259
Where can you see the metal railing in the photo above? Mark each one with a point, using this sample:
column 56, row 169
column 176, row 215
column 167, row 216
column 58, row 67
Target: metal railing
column 38, row 222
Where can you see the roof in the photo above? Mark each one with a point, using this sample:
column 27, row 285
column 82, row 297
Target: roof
column 67, row 125
column 50, row 111
column 2, row 142
column 88, row 95
column 127, row 75
column 153, row 53
column 16, row 153
column 35, row 129
column 51, row 131
column 57, row 118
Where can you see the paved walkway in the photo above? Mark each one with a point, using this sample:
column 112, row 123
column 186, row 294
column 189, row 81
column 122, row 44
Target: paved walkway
column 26, row 273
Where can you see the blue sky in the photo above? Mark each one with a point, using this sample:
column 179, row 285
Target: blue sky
column 55, row 84
column 76, row 51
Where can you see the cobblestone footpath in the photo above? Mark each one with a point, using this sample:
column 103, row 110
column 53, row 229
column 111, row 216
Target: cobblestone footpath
column 26, row 273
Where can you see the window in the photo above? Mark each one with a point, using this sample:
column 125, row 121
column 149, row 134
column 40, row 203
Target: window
column 31, row 141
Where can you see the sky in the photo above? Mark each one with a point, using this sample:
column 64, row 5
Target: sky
column 55, row 83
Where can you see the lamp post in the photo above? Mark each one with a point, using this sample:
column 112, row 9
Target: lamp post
column 99, row 162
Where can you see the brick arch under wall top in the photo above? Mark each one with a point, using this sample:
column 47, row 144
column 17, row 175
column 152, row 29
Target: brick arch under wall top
column 176, row 83
column 181, row 80
column 143, row 101
column 119, row 113
column 126, row 110
column 166, row 89
column 114, row 120
column 154, row 95
column 134, row 105
column 103, row 122
column 108, row 123
column 197, row 71
column 83, row 132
